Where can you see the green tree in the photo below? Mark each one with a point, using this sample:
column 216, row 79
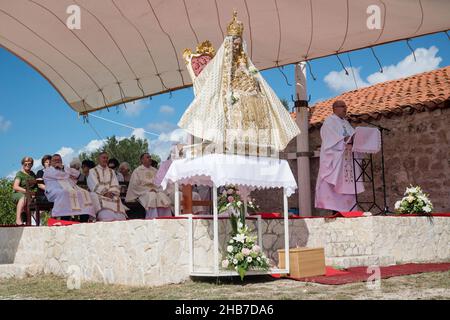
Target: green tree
column 128, row 149
column 7, row 205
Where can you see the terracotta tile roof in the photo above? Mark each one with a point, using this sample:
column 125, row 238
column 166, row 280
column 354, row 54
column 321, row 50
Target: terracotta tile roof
column 424, row 91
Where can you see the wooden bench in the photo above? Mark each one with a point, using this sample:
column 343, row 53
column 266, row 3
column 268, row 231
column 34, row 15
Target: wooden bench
column 36, row 201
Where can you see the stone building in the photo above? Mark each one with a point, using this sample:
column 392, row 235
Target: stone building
column 416, row 149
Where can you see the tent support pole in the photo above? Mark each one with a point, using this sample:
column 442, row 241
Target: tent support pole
column 216, row 231
column 303, row 154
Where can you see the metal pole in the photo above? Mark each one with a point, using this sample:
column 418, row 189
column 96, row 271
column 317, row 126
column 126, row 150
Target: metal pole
column 286, row 231
column 191, row 243
column 216, row 231
column 386, row 208
column 177, row 199
column 302, row 113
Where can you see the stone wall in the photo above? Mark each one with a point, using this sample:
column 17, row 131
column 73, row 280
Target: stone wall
column 347, row 242
column 416, row 151
column 156, row 252
column 135, row 252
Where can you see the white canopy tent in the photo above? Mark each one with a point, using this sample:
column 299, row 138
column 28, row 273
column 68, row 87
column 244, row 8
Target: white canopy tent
column 129, row 49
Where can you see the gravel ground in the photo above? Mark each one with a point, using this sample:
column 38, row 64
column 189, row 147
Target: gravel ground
column 435, row 285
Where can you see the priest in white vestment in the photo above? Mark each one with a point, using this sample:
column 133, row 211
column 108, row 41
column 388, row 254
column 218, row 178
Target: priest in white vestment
column 335, row 188
column 61, row 189
column 105, row 191
column 142, row 188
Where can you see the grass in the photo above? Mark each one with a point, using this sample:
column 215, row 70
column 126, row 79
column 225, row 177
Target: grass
column 435, row 285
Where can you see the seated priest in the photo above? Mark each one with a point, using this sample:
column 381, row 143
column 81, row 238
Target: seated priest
column 142, row 188
column 61, row 189
column 105, row 191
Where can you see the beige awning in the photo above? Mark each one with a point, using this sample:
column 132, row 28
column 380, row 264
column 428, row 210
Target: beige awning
column 129, row 49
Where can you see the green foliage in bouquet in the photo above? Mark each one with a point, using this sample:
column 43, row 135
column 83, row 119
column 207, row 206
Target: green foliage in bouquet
column 231, row 200
column 414, row 201
column 242, row 252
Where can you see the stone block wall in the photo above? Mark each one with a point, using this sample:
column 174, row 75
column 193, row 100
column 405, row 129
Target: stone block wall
column 135, row 252
column 156, row 252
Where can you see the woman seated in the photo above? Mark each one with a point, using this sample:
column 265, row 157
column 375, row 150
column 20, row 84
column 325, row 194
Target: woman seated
column 24, row 176
column 86, row 165
column 113, row 164
column 45, row 161
column 124, row 169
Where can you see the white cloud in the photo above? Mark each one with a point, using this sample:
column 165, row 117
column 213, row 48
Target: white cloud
column 426, row 61
column 4, row 124
column 166, row 109
column 162, row 144
column 67, row 155
column 36, row 164
column 162, row 126
column 11, row 175
column 340, row 82
column 92, row 146
column 165, row 141
column 133, row 109
column 139, row 133
column 177, row 135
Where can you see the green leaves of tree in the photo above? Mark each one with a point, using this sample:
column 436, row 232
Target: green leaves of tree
column 7, row 205
column 127, row 149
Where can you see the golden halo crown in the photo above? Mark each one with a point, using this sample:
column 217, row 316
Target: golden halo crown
column 235, row 27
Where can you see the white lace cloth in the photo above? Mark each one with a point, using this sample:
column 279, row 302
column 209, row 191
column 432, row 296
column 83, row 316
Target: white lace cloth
column 367, row 140
column 223, row 169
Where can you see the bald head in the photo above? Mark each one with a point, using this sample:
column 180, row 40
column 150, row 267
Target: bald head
column 340, row 108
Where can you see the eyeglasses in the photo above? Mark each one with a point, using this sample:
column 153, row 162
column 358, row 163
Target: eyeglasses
column 28, row 164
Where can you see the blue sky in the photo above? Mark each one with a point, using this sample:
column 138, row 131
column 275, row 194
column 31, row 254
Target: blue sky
column 35, row 120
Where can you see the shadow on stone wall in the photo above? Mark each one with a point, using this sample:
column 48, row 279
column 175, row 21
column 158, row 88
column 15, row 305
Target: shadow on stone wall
column 272, row 231
column 273, row 237
column 9, row 243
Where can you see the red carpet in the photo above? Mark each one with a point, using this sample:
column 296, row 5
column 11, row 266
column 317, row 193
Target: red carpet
column 352, row 214
column 55, row 222
column 361, row 274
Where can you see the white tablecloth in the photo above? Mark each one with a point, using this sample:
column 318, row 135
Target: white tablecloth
column 223, row 169
column 367, row 140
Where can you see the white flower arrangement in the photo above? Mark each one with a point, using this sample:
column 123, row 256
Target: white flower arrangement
column 242, row 253
column 245, row 254
column 230, row 199
column 414, row 201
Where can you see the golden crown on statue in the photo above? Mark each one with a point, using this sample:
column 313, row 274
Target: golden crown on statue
column 235, row 27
